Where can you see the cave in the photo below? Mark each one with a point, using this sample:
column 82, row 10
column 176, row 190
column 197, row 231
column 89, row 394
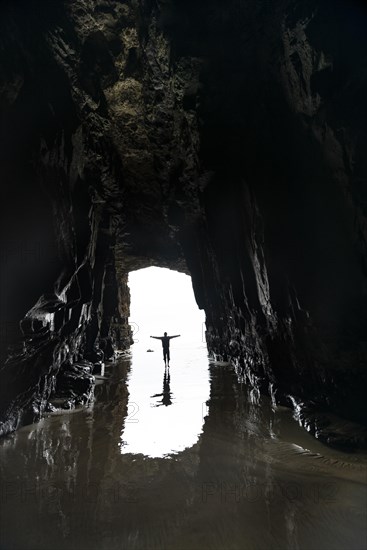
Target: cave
column 224, row 141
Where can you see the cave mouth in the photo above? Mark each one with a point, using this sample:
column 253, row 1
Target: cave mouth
column 166, row 403
column 162, row 300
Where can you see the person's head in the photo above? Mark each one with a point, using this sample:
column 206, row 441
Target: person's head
column 165, row 333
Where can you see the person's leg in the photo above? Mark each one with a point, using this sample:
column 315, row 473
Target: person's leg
column 168, row 355
column 164, row 355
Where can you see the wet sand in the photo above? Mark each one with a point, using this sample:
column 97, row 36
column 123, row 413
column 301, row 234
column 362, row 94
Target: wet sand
column 184, row 460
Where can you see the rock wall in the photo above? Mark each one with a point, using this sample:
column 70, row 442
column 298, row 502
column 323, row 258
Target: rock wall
column 283, row 134
column 225, row 141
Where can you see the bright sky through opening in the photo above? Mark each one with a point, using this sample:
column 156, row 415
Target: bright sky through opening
column 163, row 301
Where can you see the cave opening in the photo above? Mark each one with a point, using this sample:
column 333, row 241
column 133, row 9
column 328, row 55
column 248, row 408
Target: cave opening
column 166, row 403
column 163, row 300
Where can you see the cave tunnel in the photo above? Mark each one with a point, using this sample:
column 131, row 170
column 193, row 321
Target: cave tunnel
column 224, row 142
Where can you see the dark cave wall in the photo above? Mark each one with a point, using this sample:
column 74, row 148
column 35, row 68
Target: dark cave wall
column 59, row 286
column 283, row 133
column 225, row 141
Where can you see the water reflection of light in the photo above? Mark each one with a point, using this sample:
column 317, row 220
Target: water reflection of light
column 165, row 413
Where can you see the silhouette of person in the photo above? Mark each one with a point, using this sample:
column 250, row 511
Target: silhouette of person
column 166, row 394
column 165, row 344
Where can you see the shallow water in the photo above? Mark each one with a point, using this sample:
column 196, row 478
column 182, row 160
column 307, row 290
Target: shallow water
column 188, row 462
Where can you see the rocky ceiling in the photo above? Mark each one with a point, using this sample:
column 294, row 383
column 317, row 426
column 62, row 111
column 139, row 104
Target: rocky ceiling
column 223, row 139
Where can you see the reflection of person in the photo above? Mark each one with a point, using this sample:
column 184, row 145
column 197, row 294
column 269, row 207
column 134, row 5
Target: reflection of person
column 165, row 344
column 166, row 394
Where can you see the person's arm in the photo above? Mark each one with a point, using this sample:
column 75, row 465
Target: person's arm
column 157, row 337
column 176, row 336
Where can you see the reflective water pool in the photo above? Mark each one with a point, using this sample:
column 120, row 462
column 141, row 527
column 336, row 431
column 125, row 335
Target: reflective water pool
column 179, row 459
column 167, row 404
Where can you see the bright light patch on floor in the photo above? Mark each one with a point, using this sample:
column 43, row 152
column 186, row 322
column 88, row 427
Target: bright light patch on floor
column 166, row 405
